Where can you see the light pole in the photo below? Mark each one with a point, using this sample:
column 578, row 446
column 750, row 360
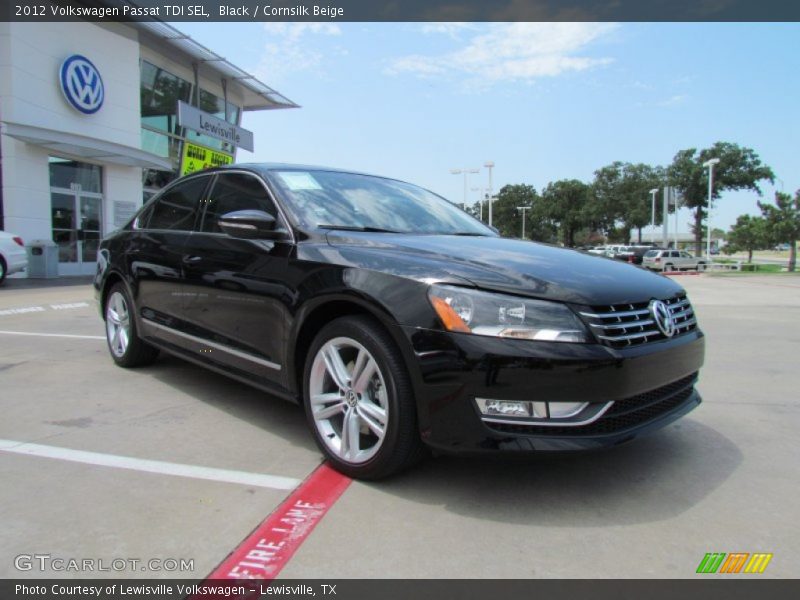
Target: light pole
column 710, row 164
column 489, row 164
column 466, row 173
column 480, row 200
column 523, row 209
column 653, row 193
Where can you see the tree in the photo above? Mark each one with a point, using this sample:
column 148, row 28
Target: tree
column 748, row 234
column 622, row 194
column 504, row 211
column 564, row 202
column 739, row 168
column 783, row 222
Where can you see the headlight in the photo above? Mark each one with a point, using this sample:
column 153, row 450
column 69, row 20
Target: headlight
column 497, row 315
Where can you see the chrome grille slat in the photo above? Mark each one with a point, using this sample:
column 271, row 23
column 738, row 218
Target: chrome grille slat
column 626, row 313
column 632, row 336
column 684, row 302
column 622, row 325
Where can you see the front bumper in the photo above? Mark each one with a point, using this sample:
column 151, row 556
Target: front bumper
column 650, row 385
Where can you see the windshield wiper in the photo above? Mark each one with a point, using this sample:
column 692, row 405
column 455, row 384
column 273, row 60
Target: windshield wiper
column 357, row 228
column 470, row 234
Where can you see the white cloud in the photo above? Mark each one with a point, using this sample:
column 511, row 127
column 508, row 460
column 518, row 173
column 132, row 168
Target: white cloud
column 286, row 48
column 674, row 100
column 449, row 29
column 507, row 52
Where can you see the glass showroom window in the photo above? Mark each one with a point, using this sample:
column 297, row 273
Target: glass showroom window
column 160, row 92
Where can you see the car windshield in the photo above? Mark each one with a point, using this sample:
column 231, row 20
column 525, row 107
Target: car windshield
column 332, row 199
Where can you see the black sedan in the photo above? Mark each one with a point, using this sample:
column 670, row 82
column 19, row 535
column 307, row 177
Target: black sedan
column 398, row 321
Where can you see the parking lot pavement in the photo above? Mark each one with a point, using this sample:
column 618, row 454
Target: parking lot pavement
column 65, row 393
column 722, row 479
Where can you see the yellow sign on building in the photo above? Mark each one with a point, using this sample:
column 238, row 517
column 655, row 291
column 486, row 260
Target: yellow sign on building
column 196, row 158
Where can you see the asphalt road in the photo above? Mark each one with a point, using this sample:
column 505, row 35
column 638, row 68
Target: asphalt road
column 723, row 479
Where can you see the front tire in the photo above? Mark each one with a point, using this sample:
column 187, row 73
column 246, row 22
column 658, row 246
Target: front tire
column 359, row 401
column 2, row 270
column 124, row 344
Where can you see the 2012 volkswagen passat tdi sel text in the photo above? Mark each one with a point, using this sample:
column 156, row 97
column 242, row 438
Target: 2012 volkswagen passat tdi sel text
column 397, row 320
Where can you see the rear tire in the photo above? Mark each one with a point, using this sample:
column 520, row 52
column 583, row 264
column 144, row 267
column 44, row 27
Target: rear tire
column 359, row 401
column 124, row 344
column 668, row 267
column 2, row 270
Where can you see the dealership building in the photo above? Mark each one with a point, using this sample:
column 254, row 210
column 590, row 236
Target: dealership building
column 95, row 118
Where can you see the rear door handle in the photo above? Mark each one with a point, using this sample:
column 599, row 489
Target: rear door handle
column 192, row 259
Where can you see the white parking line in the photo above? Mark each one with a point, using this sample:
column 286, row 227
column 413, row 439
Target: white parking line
column 35, row 309
column 63, row 335
column 274, row 482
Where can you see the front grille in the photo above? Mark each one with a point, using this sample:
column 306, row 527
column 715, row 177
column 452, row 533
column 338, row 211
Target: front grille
column 623, row 414
column 623, row 325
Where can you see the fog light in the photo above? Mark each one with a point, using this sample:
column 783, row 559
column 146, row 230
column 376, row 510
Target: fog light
column 508, row 409
column 511, row 408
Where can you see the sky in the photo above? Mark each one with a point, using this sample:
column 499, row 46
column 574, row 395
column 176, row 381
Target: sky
column 544, row 101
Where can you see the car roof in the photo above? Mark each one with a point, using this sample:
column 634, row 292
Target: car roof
column 266, row 167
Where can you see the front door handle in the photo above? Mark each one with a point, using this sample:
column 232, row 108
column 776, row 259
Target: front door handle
column 189, row 260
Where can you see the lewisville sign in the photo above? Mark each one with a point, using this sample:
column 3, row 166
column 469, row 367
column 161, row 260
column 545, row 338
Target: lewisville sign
column 207, row 124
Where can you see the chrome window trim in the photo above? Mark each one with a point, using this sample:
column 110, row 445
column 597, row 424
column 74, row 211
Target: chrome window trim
column 218, row 346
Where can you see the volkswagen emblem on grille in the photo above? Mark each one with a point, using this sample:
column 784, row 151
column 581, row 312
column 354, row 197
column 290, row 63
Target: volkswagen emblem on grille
column 81, row 84
column 663, row 317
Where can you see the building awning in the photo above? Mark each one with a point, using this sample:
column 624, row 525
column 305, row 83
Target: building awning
column 85, row 147
column 257, row 94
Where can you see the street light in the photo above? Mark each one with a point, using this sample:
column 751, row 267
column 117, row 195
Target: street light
column 710, row 164
column 480, row 200
column 523, row 209
column 653, row 193
column 489, row 164
column 466, row 173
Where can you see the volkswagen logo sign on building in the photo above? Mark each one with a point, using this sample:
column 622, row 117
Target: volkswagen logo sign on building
column 82, row 84
column 663, row 317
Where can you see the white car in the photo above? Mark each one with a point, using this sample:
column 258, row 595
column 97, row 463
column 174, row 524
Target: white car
column 13, row 257
column 672, row 260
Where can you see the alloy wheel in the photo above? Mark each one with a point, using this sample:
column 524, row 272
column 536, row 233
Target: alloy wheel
column 348, row 400
column 118, row 324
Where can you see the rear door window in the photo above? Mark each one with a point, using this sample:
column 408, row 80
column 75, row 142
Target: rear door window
column 177, row 208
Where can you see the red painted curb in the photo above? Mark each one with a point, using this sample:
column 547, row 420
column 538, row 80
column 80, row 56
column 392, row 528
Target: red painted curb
column 266, row 551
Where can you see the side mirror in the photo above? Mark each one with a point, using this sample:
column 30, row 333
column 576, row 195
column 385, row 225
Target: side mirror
column 250, row 225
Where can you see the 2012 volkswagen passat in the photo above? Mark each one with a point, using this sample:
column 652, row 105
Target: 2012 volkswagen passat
column 397, row 320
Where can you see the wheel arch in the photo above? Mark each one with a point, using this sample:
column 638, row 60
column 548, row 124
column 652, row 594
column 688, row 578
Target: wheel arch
column 314, row 316
column 111, row 279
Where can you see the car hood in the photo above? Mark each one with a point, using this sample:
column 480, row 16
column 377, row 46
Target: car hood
column 505, row 265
